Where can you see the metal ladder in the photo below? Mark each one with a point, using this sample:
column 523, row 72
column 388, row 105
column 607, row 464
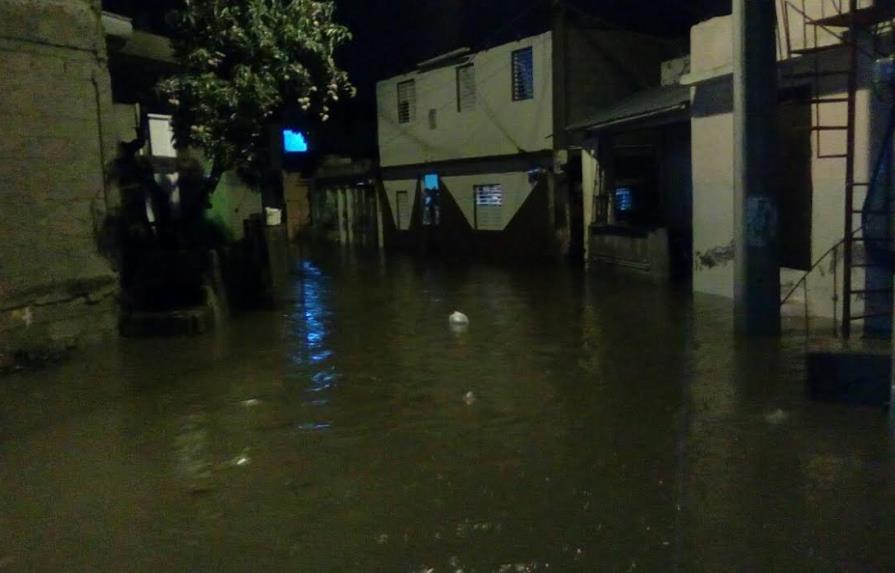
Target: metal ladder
column 842, row 21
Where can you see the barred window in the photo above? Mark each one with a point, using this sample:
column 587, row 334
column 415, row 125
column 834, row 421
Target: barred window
column 466, row 94
column 406, row 101
column 523, row 75
column 488, row 207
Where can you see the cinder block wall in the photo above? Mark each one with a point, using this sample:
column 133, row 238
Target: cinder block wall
column 56, row 290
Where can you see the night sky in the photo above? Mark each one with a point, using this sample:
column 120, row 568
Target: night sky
column 392, row 36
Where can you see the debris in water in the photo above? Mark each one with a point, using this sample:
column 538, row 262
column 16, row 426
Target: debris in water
column 242, row 459
column 459, row 319
column 776, row 417
column 382, row 539
column 252, row 403
column 469, row 398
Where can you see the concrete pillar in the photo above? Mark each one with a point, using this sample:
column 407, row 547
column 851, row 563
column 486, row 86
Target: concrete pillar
column 757, row 278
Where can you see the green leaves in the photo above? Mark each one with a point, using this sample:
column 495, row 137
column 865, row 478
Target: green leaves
column 244, row 64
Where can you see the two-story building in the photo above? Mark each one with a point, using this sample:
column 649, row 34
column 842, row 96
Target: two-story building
column 833, row 178
column 474, row 152
column 658, row 166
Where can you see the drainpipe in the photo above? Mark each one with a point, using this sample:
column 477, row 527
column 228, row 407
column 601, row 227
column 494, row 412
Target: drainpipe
column 757, row 265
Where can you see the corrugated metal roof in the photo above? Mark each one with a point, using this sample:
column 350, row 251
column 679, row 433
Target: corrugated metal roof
column 640, row 106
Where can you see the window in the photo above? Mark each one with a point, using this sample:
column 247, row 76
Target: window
column 466, row 88
column 431, row 200
column 488, row 207
column 406, row 101
column 161, row 136
column 635, row 198
column 433, row 119
column 523, row 75
column 294, row 141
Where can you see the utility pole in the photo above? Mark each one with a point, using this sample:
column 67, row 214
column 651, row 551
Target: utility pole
column 757, row 274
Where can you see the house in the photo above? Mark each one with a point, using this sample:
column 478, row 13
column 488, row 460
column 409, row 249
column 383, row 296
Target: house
column 833, row 195
column 474, row 153
column 137, row 60
column 636, row 176
column 345, row 204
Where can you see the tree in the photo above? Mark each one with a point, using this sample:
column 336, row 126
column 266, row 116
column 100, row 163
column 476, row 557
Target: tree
column 246, row 64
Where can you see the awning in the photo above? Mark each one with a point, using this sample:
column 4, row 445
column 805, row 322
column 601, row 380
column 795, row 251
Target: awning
column 135, row 43
column 646, row 105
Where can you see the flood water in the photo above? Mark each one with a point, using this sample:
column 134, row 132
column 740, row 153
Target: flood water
column 577, row 425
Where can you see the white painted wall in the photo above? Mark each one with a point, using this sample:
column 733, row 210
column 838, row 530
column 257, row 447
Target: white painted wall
column 712, row 41
column 713, row 152
column 515, row 185
column 497, row 126
column 516, row 189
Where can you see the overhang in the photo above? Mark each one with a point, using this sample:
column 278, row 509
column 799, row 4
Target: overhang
column 657, row 103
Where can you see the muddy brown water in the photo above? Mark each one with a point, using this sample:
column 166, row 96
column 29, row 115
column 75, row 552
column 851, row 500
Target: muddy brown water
column 577, row 425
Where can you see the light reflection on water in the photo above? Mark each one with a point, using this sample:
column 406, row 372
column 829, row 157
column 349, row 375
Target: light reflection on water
column 309, row 353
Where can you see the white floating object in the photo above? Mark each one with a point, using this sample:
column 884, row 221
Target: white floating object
column 776, row 417
column 459, row 319
column 469, row 398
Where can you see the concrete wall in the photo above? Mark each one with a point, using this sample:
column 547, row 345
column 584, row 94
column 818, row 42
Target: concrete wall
column 712, row 136
column 497, row 126
column 55, row 105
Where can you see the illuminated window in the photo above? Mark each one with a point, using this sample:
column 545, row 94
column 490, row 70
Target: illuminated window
column 466, row 88
column 294, row 141
column 488, row 207
column 523, row 75
column 406, row 101
column 624, row 200
column 161, row 136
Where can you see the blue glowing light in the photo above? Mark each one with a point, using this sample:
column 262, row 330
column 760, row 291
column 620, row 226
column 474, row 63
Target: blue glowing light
column 430, row 182
column 624, row 199
column 294, row 141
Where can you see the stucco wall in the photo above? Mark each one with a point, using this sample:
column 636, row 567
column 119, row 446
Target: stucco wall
column 516, row 189
column 54, row 95
column 713, row 162
column 497, row 126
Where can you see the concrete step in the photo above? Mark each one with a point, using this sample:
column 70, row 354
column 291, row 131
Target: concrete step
column 851, row 372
